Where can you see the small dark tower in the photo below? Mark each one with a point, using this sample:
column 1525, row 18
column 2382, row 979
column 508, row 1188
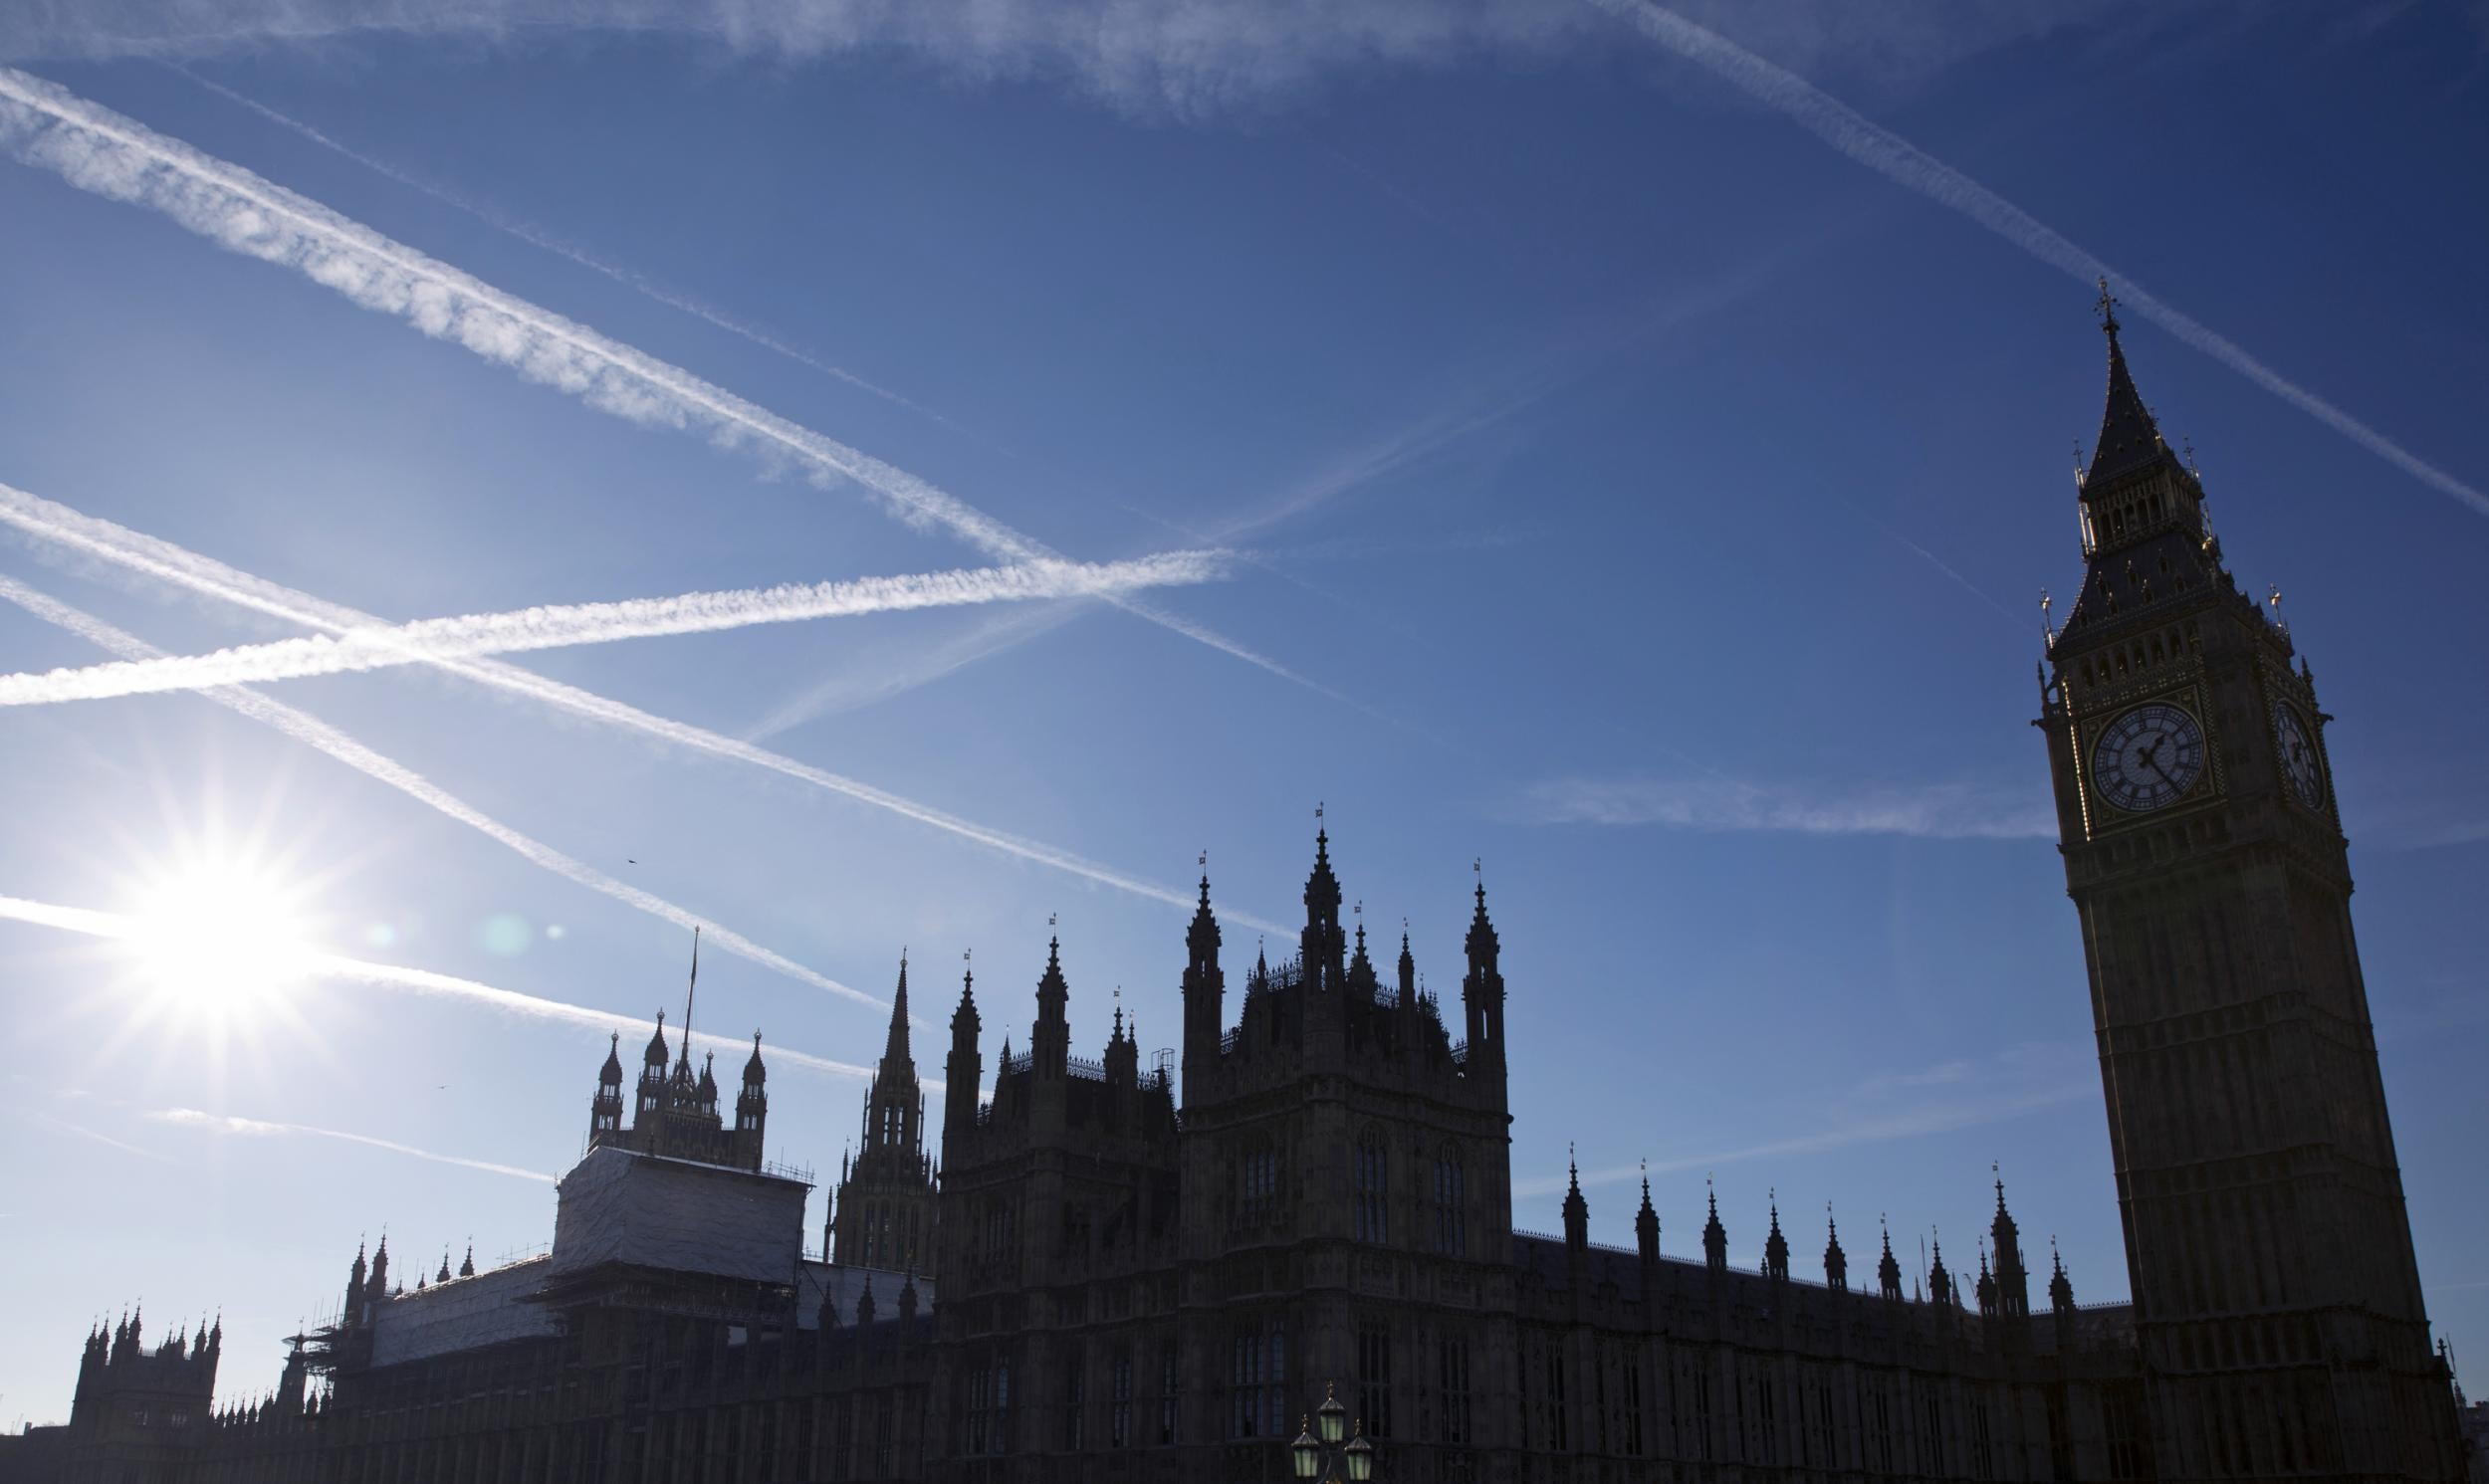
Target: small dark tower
column 1481, row 990
column 752, row 1105
column 1939, row 1282
column 355, row 1277
column 1714, row 1235
column 378, row 1287
column 604, row 1112
column 1322, row 948
column 1888, row 1271
column 2060, row 1296
column 1576, row 1214
column 1777, row 1248
column 2013, row 1279
column 1205, row 990
column 1836, row 1261
column 1647, row 1231
column 652, row 1071
column 883, row 1213
column 963, row 1075
column 1986, row 1289
column 1050, row 1040
column 466, row 1264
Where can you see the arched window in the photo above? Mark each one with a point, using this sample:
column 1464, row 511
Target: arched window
column 1373, row 1189
column 1451, row 1204
column 1256, row 1181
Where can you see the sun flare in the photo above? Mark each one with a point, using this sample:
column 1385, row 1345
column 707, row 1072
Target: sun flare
column 214, row 938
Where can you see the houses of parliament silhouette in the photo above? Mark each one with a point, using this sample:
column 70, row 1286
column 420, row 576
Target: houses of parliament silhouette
column 1118, row 1272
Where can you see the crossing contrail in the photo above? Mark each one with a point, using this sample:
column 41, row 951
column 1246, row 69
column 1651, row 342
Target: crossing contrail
column 120, row 927
column 553, row 626
column 162, row 559
column 96, row 149
column 537, row 237
column 1898, row 160
column 318, row 734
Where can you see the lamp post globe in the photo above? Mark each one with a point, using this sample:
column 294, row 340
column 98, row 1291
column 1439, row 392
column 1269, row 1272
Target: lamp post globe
column 1307, row 1455
column 1332, row 1418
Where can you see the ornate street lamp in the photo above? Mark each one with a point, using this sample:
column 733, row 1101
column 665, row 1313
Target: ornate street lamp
column 1321, row 1434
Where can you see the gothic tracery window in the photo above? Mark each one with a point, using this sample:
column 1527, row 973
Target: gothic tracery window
column 1373, row 1189
column 1450, row 1200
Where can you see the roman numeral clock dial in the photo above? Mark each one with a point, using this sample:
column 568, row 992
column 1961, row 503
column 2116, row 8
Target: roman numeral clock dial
column 2148, row 758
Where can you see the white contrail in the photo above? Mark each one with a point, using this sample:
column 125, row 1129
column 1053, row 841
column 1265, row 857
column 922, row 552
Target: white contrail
column 226, row 1123
column 120, row 927
column 99, row 150
column 553, row 626
column 1897, row 159
column 314, row 733
column 162, row 559
column 537, row 237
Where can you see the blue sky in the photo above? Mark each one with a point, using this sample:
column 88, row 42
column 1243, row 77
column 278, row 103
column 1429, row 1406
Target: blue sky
column 1638, row 495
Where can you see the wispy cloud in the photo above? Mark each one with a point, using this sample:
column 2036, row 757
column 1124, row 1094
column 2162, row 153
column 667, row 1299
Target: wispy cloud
column 320, row 735
column 152, row 556
column 2015, row 1083
column 888, row 676
column 260, row 1128
column 96, row 149
column 1947, row 811
column 107, row 1140
column 1155, row 57
column 553, row 626
column 1905, row 164
column 117, row 926
column 538, row 237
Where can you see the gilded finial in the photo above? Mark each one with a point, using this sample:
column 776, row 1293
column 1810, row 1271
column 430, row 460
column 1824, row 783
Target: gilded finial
column 2107, row 305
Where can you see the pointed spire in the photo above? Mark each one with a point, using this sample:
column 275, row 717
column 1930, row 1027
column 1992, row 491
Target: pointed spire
column 611, row 1073
column 466, row 1268
column 1647, row 1221
column 2130, row 437
column 1576, row 1210
column 1714, row 1235
column 689, row 990
column 2060, row 1289
column 755, row 1071
column 895, row 1048
column 656, row 1056
column 1776, row 1246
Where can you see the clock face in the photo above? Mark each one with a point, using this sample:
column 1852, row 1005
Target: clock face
column 2148, row 758
column 2299, row 761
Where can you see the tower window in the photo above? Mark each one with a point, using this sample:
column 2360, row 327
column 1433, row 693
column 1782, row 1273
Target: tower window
column 1450, row 1205
column 1373, row 1189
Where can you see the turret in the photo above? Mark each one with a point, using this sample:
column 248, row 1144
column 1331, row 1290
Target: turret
column 1939, row 1282
column 1888, row 1271
column 653, row 1069
column 466, row 1264
column 1576, row 1213
column 1123, row 1053
column 1049, row 1041
column 378, row 1287
column 1714, row 1235
column 1776, row 1246
column 964, row 1073
column 1321, row 946
column 1647, row 1229
column 355, row 1277
column 1481, row 991
column 1836, row 1261
column 1205, row 990
column 752, row 1105
column 605, row 1110
column 1986, row 1287
column 2013, row 1284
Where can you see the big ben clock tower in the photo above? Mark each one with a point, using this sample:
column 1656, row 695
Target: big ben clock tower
column 2277, row 1300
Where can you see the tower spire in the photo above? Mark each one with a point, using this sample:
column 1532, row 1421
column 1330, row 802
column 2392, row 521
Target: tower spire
column 895, row 1049
column 688, row 991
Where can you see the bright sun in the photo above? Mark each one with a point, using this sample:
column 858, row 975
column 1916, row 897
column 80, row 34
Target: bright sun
column 215, row 937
